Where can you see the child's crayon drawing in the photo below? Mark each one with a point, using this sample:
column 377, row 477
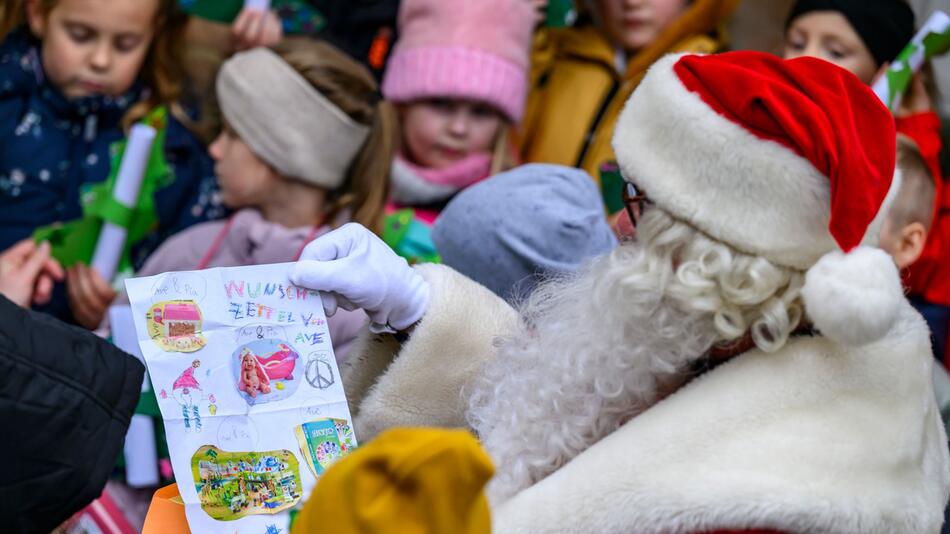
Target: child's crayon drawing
column 319, row 371
column 261, row 378
column 187, row 392
column 232, row 485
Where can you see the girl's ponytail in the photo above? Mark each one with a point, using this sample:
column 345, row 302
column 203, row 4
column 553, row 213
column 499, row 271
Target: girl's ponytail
column 11, row 16
column 369, row 174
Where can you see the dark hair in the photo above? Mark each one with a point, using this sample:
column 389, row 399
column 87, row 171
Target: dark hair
column 884, row 26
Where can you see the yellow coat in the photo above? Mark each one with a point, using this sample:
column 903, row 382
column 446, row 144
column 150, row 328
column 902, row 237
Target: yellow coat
column 576, row 93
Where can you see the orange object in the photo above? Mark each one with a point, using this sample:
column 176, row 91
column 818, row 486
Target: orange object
column 166, row 514
column 379, row 50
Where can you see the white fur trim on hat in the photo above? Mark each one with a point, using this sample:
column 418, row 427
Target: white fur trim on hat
column 853, row 298
column 754, row 194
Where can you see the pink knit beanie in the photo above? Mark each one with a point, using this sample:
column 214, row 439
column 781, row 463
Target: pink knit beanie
column 472, row 49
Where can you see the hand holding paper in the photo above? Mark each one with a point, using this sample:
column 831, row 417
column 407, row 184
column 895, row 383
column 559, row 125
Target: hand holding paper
column 27, row 273
column 256, row 26
column 89, row 295
column 356, row 269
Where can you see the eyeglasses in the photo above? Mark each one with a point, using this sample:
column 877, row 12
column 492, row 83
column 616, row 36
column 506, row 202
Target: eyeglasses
column 633, row 202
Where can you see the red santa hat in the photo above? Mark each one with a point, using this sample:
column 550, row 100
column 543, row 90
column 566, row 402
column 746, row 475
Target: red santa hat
column 789, row 160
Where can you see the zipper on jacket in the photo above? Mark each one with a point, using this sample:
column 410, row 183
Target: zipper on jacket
column 589, row 138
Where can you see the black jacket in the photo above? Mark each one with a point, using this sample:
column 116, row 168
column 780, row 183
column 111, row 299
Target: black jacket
column 66, row 398
column 352, row 26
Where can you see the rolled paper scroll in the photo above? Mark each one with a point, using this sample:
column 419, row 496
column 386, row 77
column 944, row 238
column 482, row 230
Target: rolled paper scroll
column 931, row 40
column 128, row 184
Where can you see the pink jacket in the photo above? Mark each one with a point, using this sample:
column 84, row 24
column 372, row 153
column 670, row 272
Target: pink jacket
column 251, row 240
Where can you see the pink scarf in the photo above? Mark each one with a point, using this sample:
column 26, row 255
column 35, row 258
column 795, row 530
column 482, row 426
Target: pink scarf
column 461, row 174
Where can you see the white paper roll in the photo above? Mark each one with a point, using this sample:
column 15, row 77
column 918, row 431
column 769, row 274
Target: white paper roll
column 128, row 183
column 141, row 456
column 122, row 327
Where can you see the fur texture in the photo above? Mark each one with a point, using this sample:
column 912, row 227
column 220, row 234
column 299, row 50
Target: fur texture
column 602, row 347
column 719, row 177
column 853, row 298
column 423, row 385
column 814, row 438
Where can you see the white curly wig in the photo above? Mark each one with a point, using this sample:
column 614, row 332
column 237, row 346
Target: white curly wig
column 601, row 346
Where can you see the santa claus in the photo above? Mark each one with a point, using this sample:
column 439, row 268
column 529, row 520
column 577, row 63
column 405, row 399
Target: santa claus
column 749, row 363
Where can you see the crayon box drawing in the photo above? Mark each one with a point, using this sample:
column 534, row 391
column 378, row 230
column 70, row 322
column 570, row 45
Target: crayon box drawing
column 323, row 442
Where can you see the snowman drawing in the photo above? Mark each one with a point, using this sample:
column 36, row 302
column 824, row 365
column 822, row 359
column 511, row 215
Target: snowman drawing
column 187, row 392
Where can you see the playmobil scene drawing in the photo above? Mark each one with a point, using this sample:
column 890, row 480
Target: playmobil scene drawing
column 247, row 383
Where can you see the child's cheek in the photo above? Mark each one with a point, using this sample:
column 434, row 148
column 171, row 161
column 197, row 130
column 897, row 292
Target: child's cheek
column 128, row 69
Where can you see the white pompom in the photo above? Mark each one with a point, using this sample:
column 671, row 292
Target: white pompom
column 853, row 298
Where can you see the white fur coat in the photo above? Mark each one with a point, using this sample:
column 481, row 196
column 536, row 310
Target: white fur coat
column 814, row 438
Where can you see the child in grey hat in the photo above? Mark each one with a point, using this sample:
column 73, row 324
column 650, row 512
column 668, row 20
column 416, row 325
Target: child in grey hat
column 510, row 231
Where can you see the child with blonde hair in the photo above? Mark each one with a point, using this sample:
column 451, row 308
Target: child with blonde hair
column 74, row 75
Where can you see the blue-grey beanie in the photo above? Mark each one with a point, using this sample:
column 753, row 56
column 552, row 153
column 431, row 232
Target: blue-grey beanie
column 513, row 229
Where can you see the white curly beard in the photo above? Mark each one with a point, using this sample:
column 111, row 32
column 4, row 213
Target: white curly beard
column 596, row 350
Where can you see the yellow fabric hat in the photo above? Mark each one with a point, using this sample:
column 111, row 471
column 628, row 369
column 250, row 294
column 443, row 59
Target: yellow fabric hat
column 406, row 481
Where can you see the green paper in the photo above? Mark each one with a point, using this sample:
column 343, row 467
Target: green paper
column 932, row 39
column 936, row 44
column 215, row 10
column 560, row 13
column 409, row 238
column 75, row 241
column 611, row 187
column 395, row 227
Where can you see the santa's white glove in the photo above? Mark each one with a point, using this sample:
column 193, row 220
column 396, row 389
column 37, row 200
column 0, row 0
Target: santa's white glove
column 353, row 268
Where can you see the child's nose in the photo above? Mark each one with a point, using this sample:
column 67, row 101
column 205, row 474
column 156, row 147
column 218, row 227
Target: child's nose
column 102, row 56
column 458, row 124
column 214, row 150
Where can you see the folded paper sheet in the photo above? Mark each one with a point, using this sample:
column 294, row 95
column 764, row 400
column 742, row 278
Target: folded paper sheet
column 248, row 386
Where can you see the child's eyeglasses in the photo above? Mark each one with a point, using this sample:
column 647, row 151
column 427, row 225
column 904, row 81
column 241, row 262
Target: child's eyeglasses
column 633, row 202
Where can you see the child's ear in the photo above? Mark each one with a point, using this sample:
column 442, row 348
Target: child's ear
column 911, row 245
column 36, row 17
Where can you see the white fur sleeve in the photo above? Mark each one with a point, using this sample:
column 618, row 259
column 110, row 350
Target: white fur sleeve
column 424, row 383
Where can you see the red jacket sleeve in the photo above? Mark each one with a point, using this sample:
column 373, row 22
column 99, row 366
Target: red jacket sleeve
column 924, row 129
column 929, row 276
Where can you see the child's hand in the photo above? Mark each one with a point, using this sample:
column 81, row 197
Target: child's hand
column 89, row 295
column 540, row 10
column 28, row 273
column 917, row 99
column 254, row 28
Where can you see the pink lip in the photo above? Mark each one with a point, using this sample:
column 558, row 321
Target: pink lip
column 452, row 154
column 92, row 86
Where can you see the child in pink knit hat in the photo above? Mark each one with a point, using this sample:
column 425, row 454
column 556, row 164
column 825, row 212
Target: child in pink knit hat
column 459, row 75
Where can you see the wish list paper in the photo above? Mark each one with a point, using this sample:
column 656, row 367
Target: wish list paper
column 243, row 368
